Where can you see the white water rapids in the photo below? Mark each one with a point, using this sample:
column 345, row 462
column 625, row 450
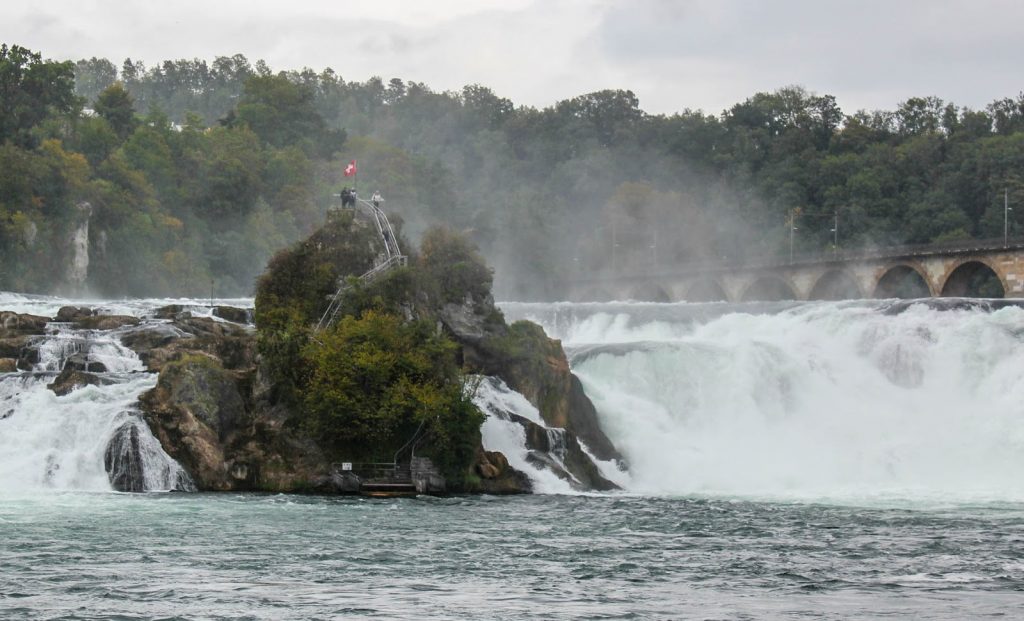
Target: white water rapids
column 808, row 401
column 51, row 442
column 820, row 400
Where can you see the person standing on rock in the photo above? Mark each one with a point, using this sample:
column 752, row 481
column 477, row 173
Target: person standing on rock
column 376, row 199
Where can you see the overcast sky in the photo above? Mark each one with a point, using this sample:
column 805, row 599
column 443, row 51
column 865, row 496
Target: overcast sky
column 673, row 54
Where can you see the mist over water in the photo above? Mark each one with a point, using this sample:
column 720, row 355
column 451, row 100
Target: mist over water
column 810, row 401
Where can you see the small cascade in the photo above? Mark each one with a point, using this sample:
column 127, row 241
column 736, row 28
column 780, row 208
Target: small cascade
column 515, row 428
column 91, row 438
column 135, row 462
column 557, row 446
column 78, row 269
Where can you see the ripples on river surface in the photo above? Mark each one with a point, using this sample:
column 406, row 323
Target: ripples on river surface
column 202, row 556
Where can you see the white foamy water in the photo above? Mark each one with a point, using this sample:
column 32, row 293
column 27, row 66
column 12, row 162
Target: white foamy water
column 501, row 433
column 814, row 400
column 51, row 442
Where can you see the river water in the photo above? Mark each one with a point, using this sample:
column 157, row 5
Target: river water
column 833, row 460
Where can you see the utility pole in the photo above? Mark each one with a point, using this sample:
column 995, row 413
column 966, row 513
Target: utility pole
column 792, row 229
column 1006, row 216
column 835, row 234
column 615, row 245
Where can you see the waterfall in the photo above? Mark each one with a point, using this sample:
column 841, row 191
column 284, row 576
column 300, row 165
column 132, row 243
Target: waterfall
column 804, row 400
column 78, row 269
column 510, row 418
column 89, row 439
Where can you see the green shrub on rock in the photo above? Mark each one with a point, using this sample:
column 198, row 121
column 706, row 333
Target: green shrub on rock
column 376, row 380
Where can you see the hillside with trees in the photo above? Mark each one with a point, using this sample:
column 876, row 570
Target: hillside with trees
column 197, row 171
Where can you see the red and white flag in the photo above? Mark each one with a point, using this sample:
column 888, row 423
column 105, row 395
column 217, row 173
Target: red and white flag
column 350, row 170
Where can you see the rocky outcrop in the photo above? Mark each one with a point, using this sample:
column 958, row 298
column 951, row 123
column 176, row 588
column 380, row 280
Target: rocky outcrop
column 497, row 476
column 558, row 450
column 233, row 314
column 71, row 379
column 206, row 417
column 18, row 336
column 17, row 324
column 123, row 460
column 8, row 365
column 105, row 322
column 536, row 367
column 69, row 314
column 158, row 344
column 194, row 409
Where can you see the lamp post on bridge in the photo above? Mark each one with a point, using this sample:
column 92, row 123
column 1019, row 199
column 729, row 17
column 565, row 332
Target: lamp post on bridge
column 835, row 233
column 1006, row 217
column 793, row 213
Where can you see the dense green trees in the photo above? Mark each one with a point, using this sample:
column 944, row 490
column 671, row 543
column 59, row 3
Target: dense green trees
column 384, row 371
column 198, row 170
column 30, row 91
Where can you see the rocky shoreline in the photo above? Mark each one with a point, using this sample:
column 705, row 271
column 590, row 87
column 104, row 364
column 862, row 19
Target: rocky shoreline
column 212, row 411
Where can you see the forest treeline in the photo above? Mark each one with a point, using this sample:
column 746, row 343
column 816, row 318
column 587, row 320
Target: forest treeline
column 196, row 172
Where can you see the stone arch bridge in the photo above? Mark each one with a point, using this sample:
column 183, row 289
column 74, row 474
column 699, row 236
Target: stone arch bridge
column 979, row 268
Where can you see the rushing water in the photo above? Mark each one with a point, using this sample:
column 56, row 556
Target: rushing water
column 834, row 460
column 198, row 556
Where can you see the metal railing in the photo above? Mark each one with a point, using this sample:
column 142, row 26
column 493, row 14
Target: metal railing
column 388, row 260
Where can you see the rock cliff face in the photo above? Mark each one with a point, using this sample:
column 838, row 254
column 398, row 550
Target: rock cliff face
column 535, row 366
column 209, row 410
column 18, row 333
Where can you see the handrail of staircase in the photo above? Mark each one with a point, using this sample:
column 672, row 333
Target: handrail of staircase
column 394, row 258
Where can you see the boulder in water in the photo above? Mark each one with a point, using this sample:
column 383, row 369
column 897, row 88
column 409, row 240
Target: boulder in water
column 8, row 365
column 123, row 460
column 233, row 314
column 69, row 314
column 560, row 452
column 172, row 311
column 105, row 322
column 72, row 379
column 81, row 362
column 16, row 324
column 497, row 476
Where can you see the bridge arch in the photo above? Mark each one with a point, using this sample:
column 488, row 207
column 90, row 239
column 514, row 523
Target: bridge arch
column 974, row 278
column 768, row 288
column 706, row 290
column 903, row 280
column 649, row 292
column 836, row 284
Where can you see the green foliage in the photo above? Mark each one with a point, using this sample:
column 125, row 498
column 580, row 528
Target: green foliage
column 384, row 371
column 592, row 182
column 374, row 380
column 31, row 89
column 281, row 112
column 453, row 267
column 114, row 105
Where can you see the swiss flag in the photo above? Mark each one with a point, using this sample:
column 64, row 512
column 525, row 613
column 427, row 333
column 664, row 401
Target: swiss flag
column 350, row 170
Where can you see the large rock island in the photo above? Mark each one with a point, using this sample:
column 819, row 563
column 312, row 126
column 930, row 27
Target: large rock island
column 383, row 392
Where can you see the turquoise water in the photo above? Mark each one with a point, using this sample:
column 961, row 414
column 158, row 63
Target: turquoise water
column 202, row 556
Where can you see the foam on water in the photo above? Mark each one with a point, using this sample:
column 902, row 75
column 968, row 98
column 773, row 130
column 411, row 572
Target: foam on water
column 51, row 442
column 501, row 433
column 813, row 401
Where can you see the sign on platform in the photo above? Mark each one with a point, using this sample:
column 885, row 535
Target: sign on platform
column 347, row 465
